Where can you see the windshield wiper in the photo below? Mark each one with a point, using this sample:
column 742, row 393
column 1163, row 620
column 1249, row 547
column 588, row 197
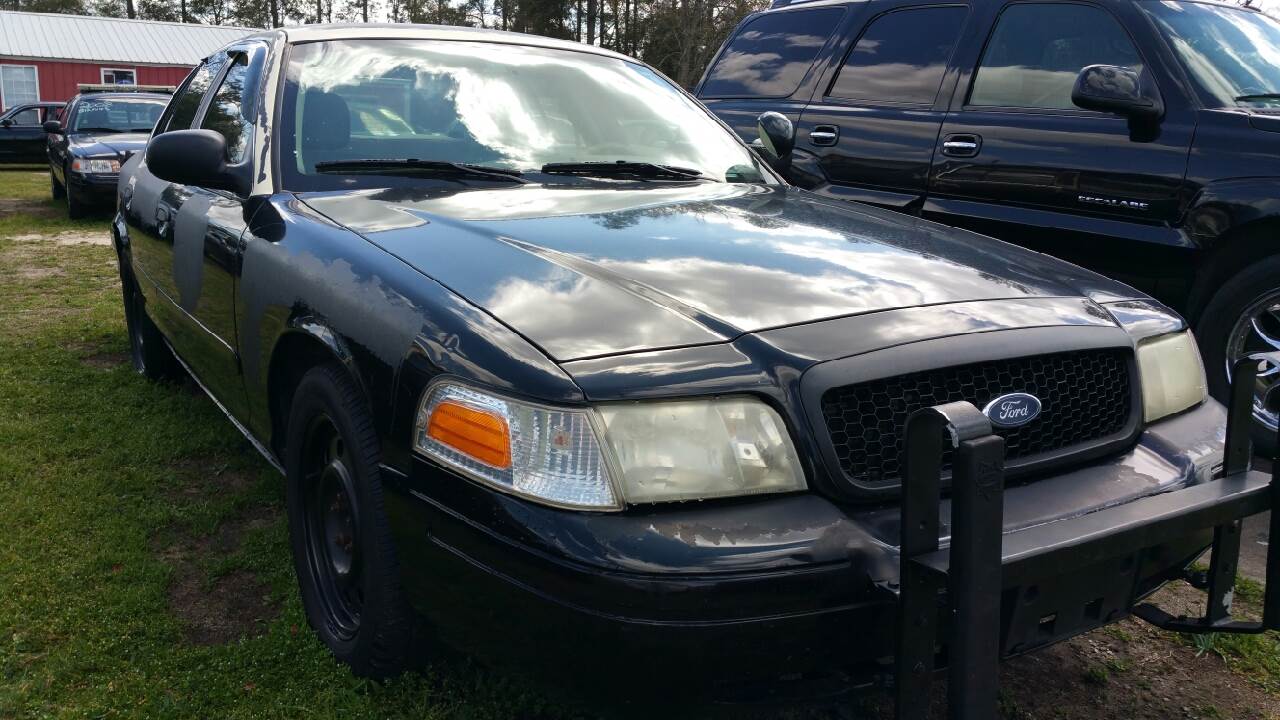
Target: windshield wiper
column 623, row 168
column 413, row 166
column 1259, row 96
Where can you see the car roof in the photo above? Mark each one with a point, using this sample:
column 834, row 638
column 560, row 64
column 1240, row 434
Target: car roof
column 312, row 33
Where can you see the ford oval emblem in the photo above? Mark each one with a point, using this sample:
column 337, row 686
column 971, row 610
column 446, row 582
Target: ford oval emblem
column 1013, row 410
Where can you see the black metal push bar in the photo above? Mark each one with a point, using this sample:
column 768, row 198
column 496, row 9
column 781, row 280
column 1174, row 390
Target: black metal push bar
column 960, row 587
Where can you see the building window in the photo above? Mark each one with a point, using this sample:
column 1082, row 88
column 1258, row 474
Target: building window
column 118, row 76
column 18, row 85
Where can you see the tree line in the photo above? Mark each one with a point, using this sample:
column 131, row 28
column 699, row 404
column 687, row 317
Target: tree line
column 676, row 36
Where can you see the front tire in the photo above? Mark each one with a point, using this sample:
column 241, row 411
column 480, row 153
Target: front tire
column 76, row 208
column 57, row 189
column 150, row 355
column 343, row 552
column 1243, row 319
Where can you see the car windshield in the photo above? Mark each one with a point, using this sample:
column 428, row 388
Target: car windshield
column 424, row 103
column 1233, row 53
column 116, row 115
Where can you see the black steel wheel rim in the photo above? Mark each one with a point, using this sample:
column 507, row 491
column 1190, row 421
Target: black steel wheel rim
column 331, row 521
column 136, row 336
column 1256, row 334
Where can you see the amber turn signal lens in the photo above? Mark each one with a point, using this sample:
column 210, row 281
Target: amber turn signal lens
column 484, row 436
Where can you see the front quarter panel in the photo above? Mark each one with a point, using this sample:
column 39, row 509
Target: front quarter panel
column 301, row 269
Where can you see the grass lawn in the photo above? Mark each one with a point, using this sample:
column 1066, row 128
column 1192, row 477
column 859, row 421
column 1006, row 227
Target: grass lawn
column 145, row 570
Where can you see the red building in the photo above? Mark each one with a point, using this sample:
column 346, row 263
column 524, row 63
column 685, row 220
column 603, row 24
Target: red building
column 44, row 56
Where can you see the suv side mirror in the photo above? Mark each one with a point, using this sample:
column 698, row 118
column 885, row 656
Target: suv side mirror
column 53, row 127
column 194, row 157
column 1119, row 90
column 777, row 139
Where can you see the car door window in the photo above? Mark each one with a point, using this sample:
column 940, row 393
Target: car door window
column 182, row 111
column 30, row 116
column 225, row 115
column 901, row 56
column 771, row 54
column 1036, row 51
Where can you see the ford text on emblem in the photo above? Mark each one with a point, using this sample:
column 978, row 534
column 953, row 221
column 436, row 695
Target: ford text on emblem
column 1013, row 410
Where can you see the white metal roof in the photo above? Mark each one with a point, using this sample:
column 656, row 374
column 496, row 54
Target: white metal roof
column 54, row 36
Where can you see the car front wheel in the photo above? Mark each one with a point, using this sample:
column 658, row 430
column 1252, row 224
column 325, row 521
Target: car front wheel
column 76, row 208
column 342, row 547
column 150, row 355
column 56, row 188
column 1243, row 320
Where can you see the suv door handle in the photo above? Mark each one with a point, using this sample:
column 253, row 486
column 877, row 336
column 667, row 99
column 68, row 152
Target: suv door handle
column 962, row 145
column 824, row 135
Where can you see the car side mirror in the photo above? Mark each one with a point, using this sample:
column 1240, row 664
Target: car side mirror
column 1108, row 88
column 777, row 139
column 194, row 157
column 53, row 127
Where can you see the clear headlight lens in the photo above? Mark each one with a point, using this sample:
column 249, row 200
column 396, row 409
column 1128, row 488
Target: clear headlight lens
column 642, row 452
column 700, row 449
column 1172, row 375
column 96, row 166
column 550, row 454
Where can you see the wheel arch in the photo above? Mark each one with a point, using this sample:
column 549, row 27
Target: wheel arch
column 305, row 343
column 1235, row 223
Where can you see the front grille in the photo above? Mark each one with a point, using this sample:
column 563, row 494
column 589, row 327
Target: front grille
column 1085, row 397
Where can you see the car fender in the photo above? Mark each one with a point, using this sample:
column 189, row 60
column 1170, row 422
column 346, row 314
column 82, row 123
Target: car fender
column 1234, row 222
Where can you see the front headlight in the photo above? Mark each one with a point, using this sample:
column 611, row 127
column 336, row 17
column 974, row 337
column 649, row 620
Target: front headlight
column 96, row 166
column 641, row 452
column 1172, row 375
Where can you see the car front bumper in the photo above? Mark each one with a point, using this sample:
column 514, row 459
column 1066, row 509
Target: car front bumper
column 94, row 188
column 722, row 598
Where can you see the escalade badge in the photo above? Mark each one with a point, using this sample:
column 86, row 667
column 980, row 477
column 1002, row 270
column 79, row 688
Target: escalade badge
column 1013, row 410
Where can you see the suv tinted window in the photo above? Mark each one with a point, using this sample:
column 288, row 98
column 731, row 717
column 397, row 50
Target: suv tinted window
column 901, row 56
column 770, row 55
column 224, row 113
column 1037, row 50
column 182, row 111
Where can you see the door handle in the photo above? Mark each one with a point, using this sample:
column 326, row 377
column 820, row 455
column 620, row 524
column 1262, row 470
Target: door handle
column 963, row 145
column 824, row 135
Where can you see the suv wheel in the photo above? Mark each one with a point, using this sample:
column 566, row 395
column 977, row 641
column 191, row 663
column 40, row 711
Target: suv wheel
column 1242, row 320
column 342, row 548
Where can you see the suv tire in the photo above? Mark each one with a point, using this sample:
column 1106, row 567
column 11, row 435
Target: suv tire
column 1220, row 323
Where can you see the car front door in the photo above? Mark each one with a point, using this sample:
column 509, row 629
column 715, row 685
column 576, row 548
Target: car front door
column 1017, row 160
column 874, row 121
column 21, row 136
column 193, row 235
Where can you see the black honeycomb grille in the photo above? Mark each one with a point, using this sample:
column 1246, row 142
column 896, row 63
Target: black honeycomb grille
column 1085, row 396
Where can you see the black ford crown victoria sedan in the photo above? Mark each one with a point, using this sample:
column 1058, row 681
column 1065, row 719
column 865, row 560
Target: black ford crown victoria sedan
column 554, row 362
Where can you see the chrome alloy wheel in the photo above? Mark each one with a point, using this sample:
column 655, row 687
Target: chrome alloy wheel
column 1257, row 335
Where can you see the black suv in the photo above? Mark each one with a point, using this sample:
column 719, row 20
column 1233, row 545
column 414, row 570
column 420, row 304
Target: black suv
column 1134, row 137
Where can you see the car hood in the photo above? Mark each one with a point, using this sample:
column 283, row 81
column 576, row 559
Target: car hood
column 95, row 144
column 584, row 271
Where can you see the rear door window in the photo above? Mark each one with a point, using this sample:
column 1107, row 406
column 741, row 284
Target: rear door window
column 771, row 54
column 225, row 114
column 901, row 56
column 1038, row 49
column 182, row 111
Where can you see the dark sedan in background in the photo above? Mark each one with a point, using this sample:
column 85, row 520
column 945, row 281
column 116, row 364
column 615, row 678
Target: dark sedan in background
column 22, row 136
column 97, row 133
